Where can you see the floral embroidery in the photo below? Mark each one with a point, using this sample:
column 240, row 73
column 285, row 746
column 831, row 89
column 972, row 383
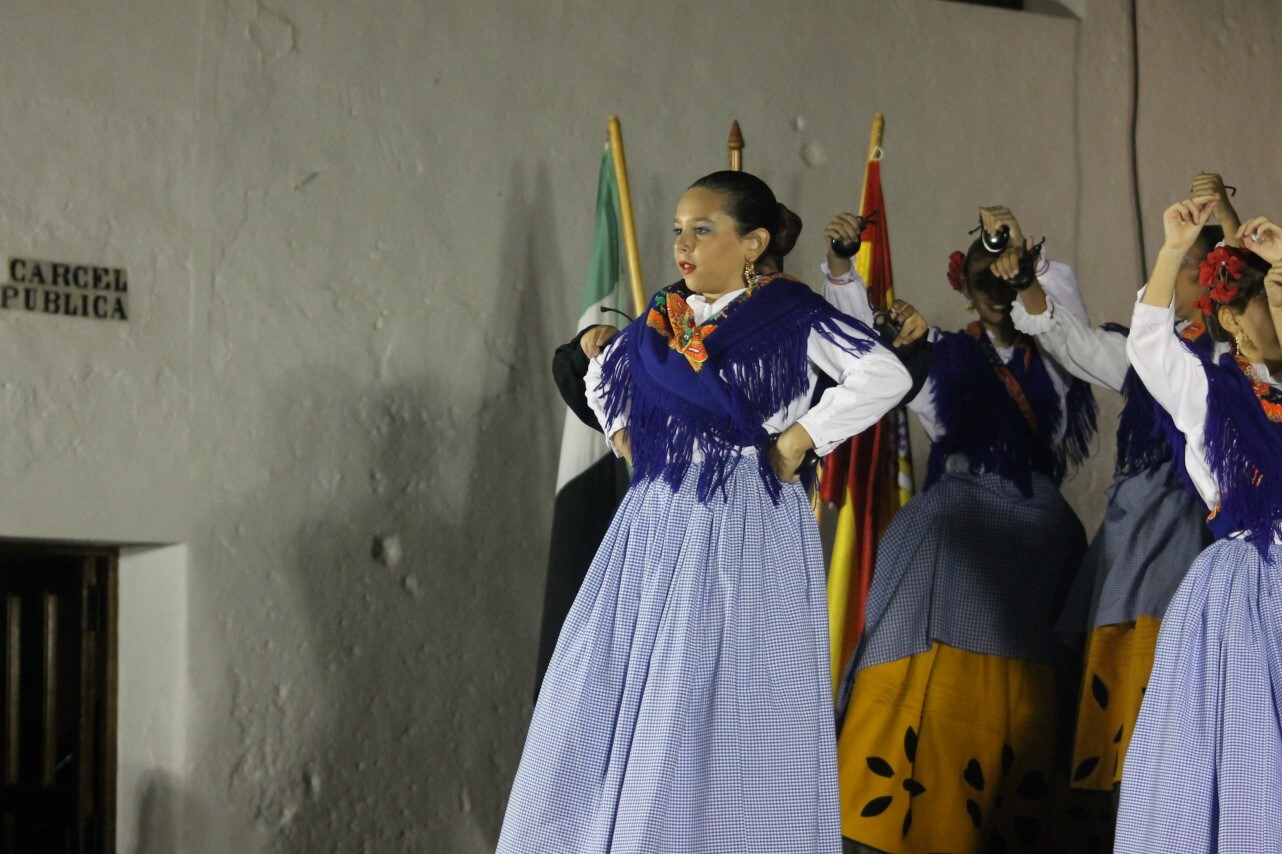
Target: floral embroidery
column 1193, row 331
column 882, row 768
column 671, row 316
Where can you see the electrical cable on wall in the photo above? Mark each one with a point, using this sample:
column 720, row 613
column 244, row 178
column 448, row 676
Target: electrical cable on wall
column 1135, row 157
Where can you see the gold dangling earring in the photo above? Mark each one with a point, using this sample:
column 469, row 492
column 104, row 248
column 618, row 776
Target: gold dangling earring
column 970, row 306
column 751, row 278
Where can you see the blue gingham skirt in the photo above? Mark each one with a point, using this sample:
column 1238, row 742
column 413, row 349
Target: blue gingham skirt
column 1204, row 769
column 688, row 707
column 976, row 565
column 1153, row 530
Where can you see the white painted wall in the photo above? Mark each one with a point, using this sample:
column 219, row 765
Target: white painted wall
column 355, row 231
column 153, row 691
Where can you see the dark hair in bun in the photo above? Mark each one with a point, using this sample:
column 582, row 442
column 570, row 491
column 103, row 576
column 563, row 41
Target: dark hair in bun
column 789, row 231
column 753, row 205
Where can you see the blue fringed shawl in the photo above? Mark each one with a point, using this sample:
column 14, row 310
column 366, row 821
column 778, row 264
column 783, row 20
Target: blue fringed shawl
column 1146, row 435
column 1244, row 450
column 756, row 365
column 980, row 419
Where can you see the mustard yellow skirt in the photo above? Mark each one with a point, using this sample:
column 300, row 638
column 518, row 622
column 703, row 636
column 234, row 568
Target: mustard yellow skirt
column 1119, row 659
column 954, row 751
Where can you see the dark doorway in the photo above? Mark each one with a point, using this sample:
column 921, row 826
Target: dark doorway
column 58, row 717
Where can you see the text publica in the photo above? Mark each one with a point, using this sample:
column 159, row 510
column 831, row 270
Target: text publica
column 70, row 290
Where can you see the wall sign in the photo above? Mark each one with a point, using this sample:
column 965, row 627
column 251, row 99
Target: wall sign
column 71, row 290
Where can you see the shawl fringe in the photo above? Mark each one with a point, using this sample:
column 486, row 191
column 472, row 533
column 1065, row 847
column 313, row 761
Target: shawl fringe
column 1245, row 453
column 982, row 421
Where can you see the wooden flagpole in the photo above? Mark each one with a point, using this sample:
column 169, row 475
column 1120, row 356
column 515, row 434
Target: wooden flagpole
column 874, row 153
column 735, row 147
column 625, row 211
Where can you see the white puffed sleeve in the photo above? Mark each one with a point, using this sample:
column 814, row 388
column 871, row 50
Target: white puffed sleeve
column 1176, row 379
column 1087, row 352
column 868, row 386
column 848, row 294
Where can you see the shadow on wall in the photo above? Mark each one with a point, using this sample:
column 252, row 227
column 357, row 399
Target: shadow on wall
column 379, row 689
column 164, row 809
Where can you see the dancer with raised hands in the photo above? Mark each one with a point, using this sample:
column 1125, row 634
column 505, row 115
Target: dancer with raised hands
column 1205, row 763
column 1153, row 527
column 688, row 704
column 956, row 702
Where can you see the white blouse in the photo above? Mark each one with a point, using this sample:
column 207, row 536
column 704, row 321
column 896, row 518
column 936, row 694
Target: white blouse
column 1089, row 353
column 868, row 386
column 1176, row 379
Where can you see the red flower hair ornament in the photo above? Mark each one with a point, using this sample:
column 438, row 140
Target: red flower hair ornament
column 1218, row 275
column 955, row 263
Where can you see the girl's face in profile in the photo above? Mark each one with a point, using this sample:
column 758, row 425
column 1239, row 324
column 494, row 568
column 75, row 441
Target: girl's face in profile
column 706, row 244
column 1257, row 325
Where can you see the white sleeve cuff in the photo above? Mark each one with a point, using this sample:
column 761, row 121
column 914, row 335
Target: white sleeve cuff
column 1033, row 324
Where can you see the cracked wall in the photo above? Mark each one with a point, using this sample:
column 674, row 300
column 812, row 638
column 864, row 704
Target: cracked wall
column 355, row 232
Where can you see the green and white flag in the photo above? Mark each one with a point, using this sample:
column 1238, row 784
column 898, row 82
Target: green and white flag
column 590, row 479
column 581, row 446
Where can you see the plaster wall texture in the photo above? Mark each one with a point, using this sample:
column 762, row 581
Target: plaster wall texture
column 355, row 232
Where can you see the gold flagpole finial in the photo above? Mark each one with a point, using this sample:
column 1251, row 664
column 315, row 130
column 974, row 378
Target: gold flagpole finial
column 735, row 146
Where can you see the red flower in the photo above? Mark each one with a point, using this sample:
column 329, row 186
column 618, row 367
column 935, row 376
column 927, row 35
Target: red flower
column 1204, row 305
column 955, row 263
column 1224, row 291
column 1222, row 266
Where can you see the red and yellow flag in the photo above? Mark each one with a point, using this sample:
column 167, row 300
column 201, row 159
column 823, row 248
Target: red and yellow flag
column 869, row 477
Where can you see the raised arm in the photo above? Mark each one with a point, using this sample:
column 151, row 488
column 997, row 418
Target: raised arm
column 1182, row 222
column 1208, row 184
column 843, row 287
column 1089, row 353
column 1264, row 238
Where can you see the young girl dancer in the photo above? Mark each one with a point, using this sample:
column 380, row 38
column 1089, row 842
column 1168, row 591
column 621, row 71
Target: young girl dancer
column 957, row 692
column 687, row 706
column 1153, row 527
column 1205, row 763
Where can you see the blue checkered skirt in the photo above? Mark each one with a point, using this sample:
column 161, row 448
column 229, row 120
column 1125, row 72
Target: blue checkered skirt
column 1153, row 530
column 976, row 565
column 688, row 705
column 1204, row 770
